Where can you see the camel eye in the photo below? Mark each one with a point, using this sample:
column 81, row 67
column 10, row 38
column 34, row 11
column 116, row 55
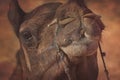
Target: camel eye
column 28, row 39
column 27, row 35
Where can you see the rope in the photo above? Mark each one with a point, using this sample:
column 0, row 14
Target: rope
column 104, row 64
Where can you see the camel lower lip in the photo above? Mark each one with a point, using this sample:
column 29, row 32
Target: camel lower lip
column 74, row 49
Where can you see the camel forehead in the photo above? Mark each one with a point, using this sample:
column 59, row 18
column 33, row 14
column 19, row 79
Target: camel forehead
column 37, row 21
column 40, row 16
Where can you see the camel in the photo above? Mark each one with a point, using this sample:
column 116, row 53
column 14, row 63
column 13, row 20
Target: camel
column 58, row 41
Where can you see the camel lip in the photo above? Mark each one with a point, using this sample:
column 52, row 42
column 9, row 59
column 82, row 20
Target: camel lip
column 75, row 49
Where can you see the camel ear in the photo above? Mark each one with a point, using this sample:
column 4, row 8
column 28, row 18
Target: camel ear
column 15, row 15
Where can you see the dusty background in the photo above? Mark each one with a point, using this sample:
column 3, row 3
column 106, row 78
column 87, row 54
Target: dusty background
column 108, row 9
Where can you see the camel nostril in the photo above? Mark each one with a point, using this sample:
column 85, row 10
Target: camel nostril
column 67, row 41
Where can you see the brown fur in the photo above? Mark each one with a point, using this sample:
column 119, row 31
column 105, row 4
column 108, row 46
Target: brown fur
column 38, row 57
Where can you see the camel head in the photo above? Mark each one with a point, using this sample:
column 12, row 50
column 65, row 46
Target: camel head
column 70, row 27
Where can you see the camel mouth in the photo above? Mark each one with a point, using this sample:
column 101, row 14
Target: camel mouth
column 74, row 48
column 78, row 48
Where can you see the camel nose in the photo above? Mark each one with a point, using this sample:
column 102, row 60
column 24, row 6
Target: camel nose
column 68, row 41
column 76, row 35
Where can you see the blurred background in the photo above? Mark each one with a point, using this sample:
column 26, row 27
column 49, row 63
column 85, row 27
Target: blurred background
column 108, row 9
